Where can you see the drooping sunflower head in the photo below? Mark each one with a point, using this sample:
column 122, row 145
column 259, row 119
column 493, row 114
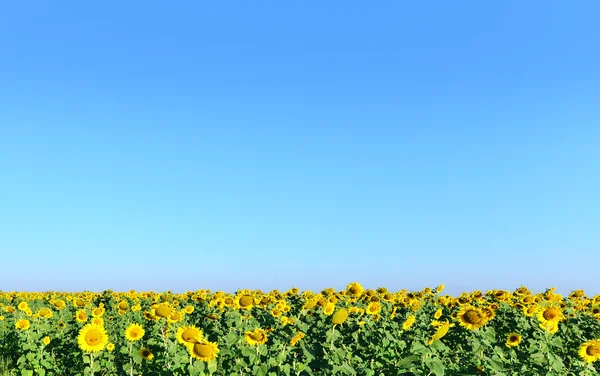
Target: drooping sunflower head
column 162, row 310
column 204, row 350
column 92, row 338
column 246, row 301
column 340, row 316
column 134, row 332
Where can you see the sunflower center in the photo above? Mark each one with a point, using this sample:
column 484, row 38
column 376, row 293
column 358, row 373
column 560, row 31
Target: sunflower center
column 203, row 350
column 257, row 336
column 93, row 337
column 246, row 300
column 513, row 338
column 188, row 335
column 472, row 317
column 595, row 310
column 163, row 311
column 593, row 350
column 145, row 353
column 550, row 314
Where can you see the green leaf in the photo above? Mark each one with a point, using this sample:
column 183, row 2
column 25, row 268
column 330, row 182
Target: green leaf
column 435, row 365
column 408, row 361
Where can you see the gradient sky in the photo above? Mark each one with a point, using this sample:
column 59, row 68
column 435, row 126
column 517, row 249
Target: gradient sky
column 267, row 145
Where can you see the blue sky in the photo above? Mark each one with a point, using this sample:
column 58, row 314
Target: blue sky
column 270, row 145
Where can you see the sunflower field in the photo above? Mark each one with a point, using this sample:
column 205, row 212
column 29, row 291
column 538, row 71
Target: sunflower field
column 355, row 331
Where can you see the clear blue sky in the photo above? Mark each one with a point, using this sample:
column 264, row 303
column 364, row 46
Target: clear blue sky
column 268, row 145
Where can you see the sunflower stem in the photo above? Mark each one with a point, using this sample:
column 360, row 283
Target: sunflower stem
column 91, row 364
column 331, row 345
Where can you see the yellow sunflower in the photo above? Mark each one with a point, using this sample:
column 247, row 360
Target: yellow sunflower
column 204, row 350
column 296, row 338
column 189, row 335
column 258, row 336
column 513, row 339
column 590, row 351
column 134, row 332
column 373, row 308
column 409, row 322
column 437, row 314
column 98, row 312
column 92, row 338
column 354, row 289
column 46, row 340
column 470, row 317
column 110, row 346
column 329, row 308
column 340, row 316
column 22, row 324
column 45, row 313
column 245, row 301
column 550, row 313
column 81, row 316
column 145, row 353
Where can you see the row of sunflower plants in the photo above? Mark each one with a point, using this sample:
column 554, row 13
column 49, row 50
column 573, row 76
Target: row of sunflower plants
column 355, row 331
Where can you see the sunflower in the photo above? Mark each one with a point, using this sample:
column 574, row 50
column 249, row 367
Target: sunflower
column 204, row 350
column 189, row 335
column 97, row 321
column 22, row 324
column 189, row 309
column 258, row 336
column 590, row 351
column 355, row 289
column 98, row 312
column 163, row 310
column 438, row 314
column 275, row 312
column 92, row 338
column 409, row 322
column 513, row 339
column 470, row 317
column 110, row 346
column 245, row 301
column 550, row 313
column 46, row 340
column 45, row 313
column 81, row 316
column 373, row 308
column 134, row 332
column 23, row 306
column 145, row 353
column 531, row 310
column 329, row 308
column 550, row 326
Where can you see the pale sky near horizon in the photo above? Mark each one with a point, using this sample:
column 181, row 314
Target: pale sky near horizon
column 270, row 145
